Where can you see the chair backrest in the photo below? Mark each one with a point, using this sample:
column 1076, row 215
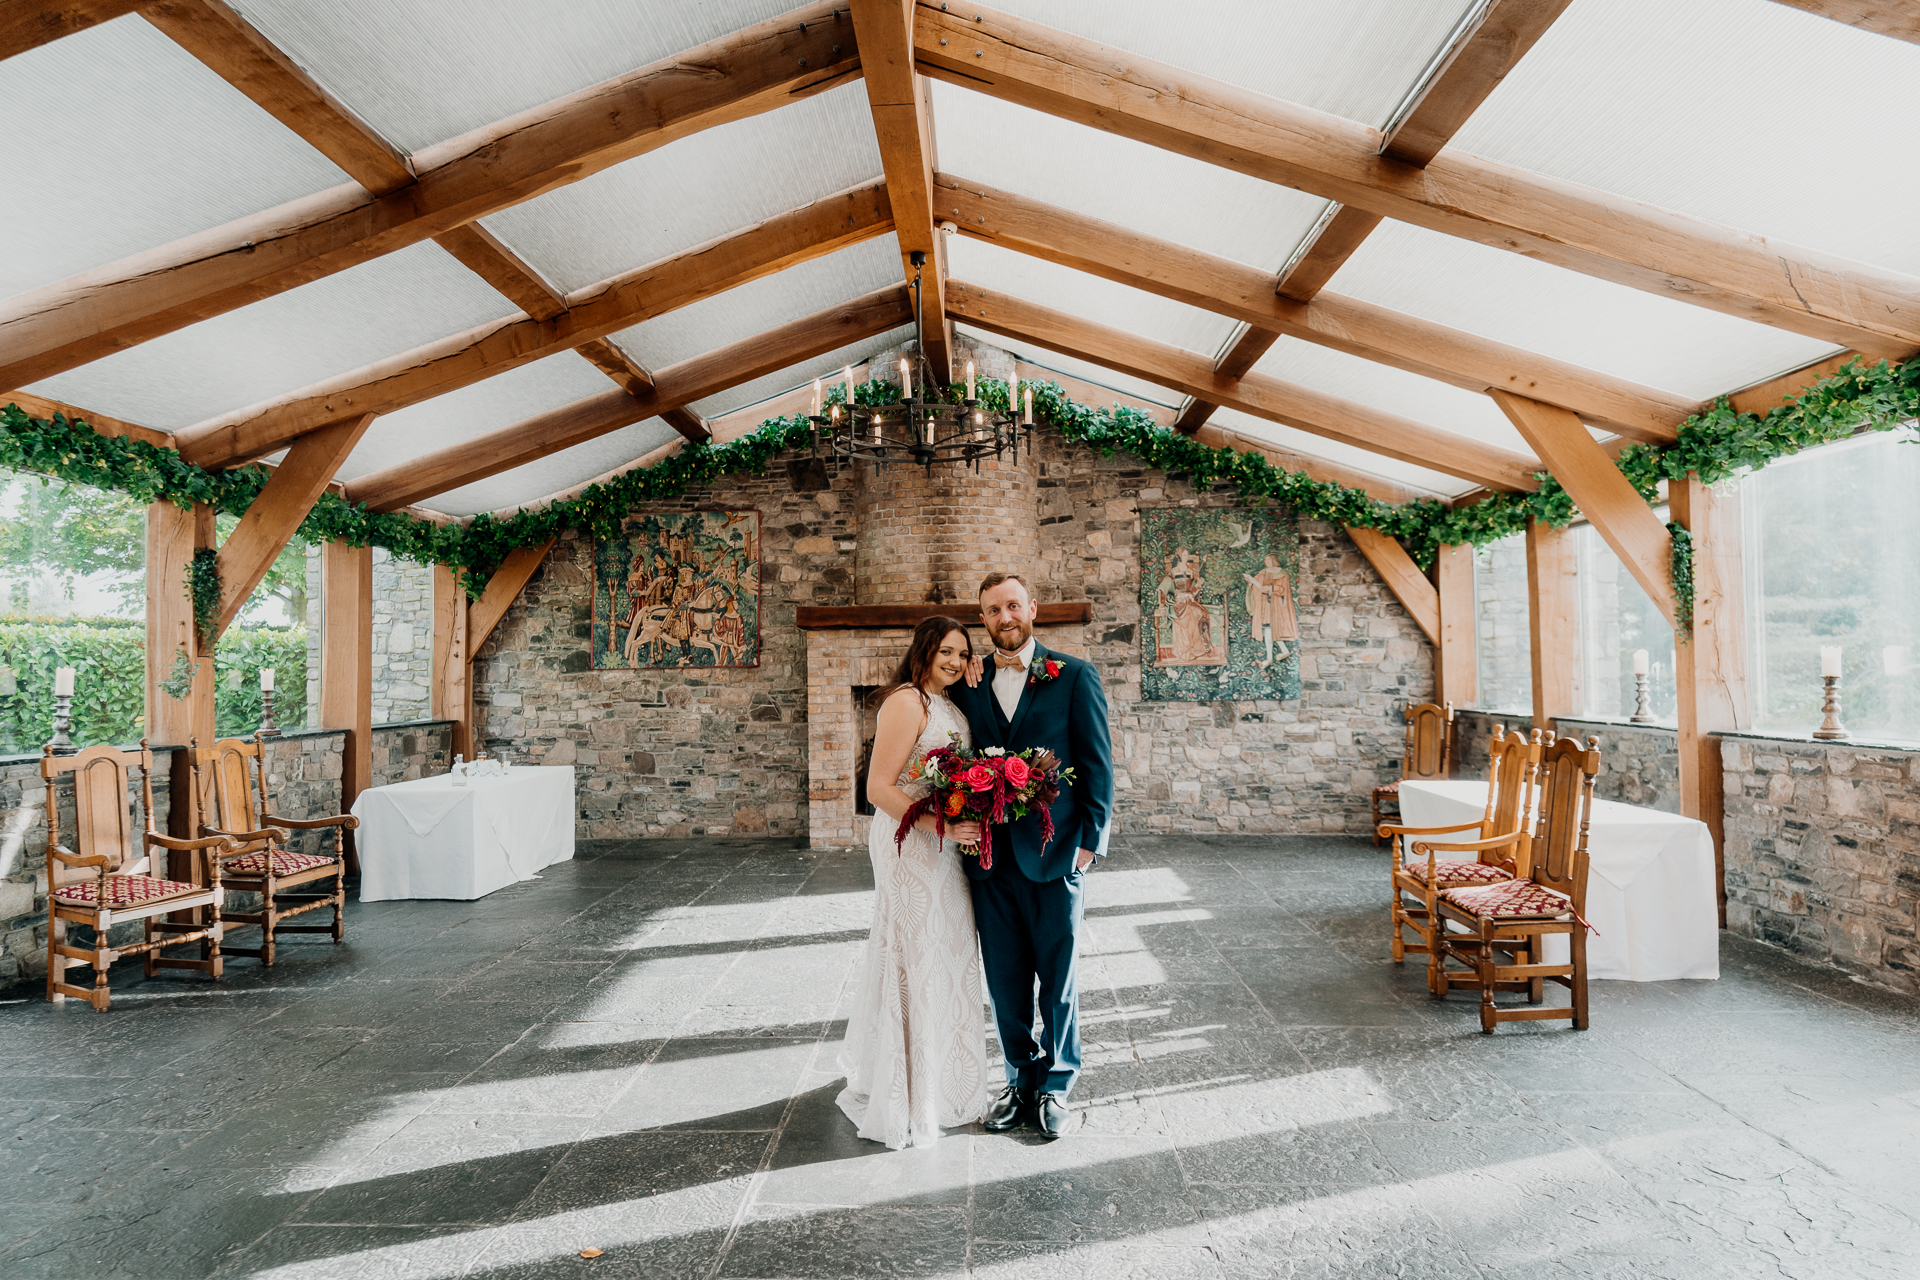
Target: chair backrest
column 1429, row 741
column 228, row 768
column 1567, row 772
column 102, row 819
column 1512, row 760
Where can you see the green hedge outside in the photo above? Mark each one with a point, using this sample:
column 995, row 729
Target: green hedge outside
column 109, row 658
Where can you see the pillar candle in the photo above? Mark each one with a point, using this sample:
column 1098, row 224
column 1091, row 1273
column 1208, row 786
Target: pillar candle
column 1639, row 662
column 816, row 397
column 906, row 381
column 1830, row 660
column 1027, row 420
column 849, row 393
column 266, row 679
column 970, row 394
column 63, row 681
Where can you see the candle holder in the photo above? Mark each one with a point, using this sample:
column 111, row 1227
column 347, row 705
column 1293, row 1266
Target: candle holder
column 267, row 729
column 60, row 744
column 1642, row 713
column 1830, row 727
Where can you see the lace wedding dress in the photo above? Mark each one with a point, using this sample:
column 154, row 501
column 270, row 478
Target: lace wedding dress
column 915, row 1055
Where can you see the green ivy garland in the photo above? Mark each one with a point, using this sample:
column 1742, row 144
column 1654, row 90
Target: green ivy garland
column 1714, row 445
column 203, row 585
column 1680, row 569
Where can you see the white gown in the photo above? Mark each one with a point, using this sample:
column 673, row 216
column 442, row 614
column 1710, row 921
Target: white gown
column 915, row 1056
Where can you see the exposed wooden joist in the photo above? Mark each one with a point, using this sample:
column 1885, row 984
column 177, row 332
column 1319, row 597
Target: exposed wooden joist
column 1373, row 486
column 1897, row 18
column 482, row 253
column 901, row 124
column 466, row 358
column 275, row 515
column 1762, row 396
column 618, row 365
column 1264, row 397
column 674, row 386
column 40, row 407
column 1606, row 236
column 73, row 321
column 1238, row 361
column 1402, row 576
column 1357, row 328
column 28, row 24
column 687, row 423
column 1602, row 492
column 1330, row 245
column 503, row 588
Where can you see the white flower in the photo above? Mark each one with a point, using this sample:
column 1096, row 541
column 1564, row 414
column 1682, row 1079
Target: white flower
column 993, row 751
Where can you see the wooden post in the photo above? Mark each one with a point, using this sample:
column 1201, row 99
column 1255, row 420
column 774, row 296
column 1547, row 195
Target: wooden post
column 1710, row 666
column 1456, row 661
column 173, row 536
column 452, row 675
column 1553, row 621
column 346, row 666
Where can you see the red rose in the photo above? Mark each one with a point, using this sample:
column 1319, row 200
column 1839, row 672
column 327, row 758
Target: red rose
column 1016, row 770
column 1053, row 668
column 980, row 778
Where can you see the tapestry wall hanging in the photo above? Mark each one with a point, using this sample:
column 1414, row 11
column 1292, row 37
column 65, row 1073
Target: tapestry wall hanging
column 678, row 590
column 1217, row 605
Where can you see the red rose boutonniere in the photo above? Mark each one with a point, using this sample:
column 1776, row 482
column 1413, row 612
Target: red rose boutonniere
column 1045, row 671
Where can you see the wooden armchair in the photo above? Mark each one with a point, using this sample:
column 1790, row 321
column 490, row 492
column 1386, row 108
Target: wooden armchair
column 1516, row 916
column 1498, row 848
column 111, row 879
column 258, row 863
column 1429, row 755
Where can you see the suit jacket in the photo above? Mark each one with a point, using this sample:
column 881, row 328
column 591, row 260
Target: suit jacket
column 1067, row 715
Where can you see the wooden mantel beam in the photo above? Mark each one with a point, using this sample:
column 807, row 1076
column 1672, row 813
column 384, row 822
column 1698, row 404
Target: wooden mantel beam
column 1234, row 289
column 674, row 386
column 28, row 24
column 1610, row 237
column 1265, row 397
column 73, row 321
column 466, row 358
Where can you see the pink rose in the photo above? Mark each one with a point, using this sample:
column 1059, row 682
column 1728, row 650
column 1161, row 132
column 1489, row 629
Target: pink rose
column 1017, row 771
column 980, row 778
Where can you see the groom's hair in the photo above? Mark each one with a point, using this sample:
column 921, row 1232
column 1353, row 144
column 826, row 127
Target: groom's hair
column 993, row 580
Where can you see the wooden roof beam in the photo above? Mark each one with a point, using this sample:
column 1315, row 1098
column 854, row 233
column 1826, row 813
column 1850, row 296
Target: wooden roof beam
column 73, row 321
column 903, row 123
column 1899, row 19
column 28, row 24
column 1610, row 237
column 674, row 387
column 1295, row 406
column 1358, row 328
column 466, row 358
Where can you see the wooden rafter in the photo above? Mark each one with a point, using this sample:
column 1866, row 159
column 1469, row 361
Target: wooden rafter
column 80, row 319
column 901, row 123
column 484, row 254
column 1373, row 486
column 1346, row 324
column 1610, row 237
column 41, row 407
column 28, row 24
column 673, row 387
column 1265, row 397
column 502, row 589
column 1396, row 568
column 466, row 358
column 1897, row 18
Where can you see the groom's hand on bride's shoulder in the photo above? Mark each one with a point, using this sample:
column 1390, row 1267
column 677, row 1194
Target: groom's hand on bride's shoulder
column 975, row 666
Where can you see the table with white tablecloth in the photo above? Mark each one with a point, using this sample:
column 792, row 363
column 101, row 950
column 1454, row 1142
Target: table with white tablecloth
column 1652, row 896
column 447, row 837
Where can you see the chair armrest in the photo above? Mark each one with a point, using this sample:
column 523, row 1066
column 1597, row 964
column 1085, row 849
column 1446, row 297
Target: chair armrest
column 264, row 833
column 1468, row 846
column 346, row 820
column 67, row 856
column 1387, row 829
column 186, row 846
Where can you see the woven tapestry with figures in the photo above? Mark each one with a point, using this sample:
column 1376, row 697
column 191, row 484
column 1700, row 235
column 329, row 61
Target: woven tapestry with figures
column 1217, row 605
column 679, row 589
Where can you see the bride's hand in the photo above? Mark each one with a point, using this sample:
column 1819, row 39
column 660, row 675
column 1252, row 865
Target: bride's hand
column 975, row 665
column 964, row 832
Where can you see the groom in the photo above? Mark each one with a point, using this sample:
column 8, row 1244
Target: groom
column 1028, row 906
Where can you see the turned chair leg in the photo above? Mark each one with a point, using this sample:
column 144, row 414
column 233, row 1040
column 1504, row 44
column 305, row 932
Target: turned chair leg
column 56, row 963
column 1487, row 1018
column 1398, row 914
column 102, row 996
column 1578, row 946
column 339, row 906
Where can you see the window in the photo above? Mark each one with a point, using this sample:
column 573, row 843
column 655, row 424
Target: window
column 1833, row 560
column 1503, row 648
column 1616, row 619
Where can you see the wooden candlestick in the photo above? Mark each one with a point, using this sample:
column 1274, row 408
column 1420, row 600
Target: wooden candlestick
column 267, row 729
column 1831, row 727
column 1641, row 713
column 60, row 744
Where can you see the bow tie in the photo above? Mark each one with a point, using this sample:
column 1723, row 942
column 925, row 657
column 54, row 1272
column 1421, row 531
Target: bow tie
column 1005, row 660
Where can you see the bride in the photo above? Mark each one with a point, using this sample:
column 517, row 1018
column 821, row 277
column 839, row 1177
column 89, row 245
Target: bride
column 915, row 1056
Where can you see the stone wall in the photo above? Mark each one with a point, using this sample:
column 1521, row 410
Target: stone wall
column 1503, row 647
column 1639, row 763
column 402, row 637
column 415, row 749
column 1823, row 852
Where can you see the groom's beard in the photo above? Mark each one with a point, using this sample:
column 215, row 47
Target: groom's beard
column 1026, row 634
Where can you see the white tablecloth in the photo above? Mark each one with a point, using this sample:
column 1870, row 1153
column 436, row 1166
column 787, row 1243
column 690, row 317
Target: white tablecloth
column 1651, row 895
column 432, row 839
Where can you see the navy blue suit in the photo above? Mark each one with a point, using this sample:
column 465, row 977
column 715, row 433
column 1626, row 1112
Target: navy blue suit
column 1028, row 906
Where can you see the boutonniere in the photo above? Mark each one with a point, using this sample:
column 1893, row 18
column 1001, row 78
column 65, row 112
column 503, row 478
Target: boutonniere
column 1043, row 671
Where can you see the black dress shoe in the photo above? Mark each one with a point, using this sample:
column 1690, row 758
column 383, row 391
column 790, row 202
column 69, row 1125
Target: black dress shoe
column 1007, row 1109
column 1051, row 1112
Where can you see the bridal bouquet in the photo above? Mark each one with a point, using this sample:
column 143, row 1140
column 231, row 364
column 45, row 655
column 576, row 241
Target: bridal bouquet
column 992, row 786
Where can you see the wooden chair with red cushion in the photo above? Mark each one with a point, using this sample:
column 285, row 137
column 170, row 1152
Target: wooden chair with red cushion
column 113, row 879
column 1516, row 916
column 260, row 863
column 1429, row 754
column 1497, row 845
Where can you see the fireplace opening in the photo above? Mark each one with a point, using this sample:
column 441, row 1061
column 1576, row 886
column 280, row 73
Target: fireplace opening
column 866, row 718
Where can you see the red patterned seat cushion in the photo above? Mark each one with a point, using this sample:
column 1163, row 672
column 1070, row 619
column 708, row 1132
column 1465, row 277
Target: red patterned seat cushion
column 1387, row 789
column 123, row 891
column 1513, row 900
column 1449, row 872
column 284, row 863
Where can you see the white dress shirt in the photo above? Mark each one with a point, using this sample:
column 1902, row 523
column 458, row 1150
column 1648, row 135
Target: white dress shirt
column 1009, row 681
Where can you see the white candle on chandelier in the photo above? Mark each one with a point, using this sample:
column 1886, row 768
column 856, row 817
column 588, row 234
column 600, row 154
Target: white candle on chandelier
column 970, row 394
column 849, row 393
column 1830, row 661
column 1027, row 419
column 816, row 397
column 63, row 682
column 266, row 679
column 906, row 380
column 876, row 428
column 1639, row 662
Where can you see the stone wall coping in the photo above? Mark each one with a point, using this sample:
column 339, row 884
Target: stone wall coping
column 33, row 757
column 1620, row 722
column 409, row 724
column 1824, row 744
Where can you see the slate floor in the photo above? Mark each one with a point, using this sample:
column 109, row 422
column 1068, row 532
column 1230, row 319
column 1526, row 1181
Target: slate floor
column 634, row 1054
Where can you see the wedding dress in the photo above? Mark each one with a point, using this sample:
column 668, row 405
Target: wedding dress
column 915, row 1056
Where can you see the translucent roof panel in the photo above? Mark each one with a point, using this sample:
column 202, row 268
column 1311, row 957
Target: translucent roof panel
column 279, row 344
column 1357, row 58
column 1118, row 306
column 459, row 416
column 763, row 304
column 1046, row 358
column 685, row 193
column 1745, row 112
column 1655, row 340
column 421, row 72
column 1118, row 180
column 123, row 142
column 1345, row 455
column 556, row 471
column 825, row 367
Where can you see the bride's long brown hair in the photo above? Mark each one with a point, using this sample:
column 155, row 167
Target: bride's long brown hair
column 917, row 665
